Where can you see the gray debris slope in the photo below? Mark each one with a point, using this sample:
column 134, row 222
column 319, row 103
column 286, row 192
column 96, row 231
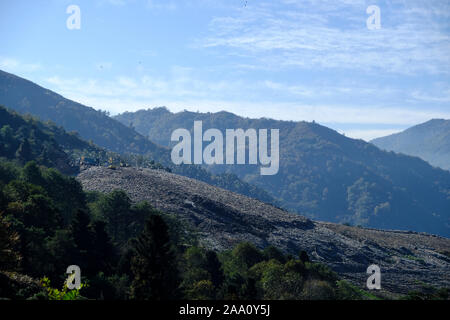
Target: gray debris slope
column 407, row 259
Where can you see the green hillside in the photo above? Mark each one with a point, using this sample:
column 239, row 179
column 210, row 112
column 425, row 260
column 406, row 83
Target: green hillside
column 25, row 139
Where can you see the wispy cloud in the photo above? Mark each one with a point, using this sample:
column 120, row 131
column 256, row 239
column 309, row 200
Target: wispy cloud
column 179, row 85
column 127, row 93
column 314, row 36
column 16, row 66
column 440, row 96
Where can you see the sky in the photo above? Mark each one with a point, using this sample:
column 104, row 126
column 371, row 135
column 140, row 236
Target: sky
column 283, row 59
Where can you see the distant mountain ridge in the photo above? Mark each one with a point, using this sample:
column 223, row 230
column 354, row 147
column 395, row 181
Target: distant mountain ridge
column 429, row 141
column 325, row 175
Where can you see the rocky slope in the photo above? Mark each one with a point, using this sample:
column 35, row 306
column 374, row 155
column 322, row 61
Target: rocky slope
column 408, row 260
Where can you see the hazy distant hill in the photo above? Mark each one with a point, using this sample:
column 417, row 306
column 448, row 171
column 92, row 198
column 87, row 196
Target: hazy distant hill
column 27, row 97
column 429, row 141
column 326, row 175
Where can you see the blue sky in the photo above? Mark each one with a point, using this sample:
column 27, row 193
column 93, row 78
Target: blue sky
column 285, row 59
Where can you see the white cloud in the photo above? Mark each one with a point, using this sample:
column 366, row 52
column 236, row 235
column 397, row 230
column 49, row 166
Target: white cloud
column 16, row 66
column 441, row 96
column 132, row 94
column 310, row 38
column 183, row 90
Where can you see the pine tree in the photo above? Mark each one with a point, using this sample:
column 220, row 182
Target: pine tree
column 214, row 267
column 116, row 209
column 154, row 264
column 84, row 242
column 104, row 251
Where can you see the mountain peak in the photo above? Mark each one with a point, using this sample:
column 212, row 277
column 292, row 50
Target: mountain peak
column 429, row 140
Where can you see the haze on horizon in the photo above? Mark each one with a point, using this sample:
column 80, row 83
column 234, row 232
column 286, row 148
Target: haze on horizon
column 286, row 59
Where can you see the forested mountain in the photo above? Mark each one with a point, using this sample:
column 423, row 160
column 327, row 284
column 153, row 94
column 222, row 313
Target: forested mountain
column 429, row 141
column 27, row 97
column 25, row 138
column 326, row 175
